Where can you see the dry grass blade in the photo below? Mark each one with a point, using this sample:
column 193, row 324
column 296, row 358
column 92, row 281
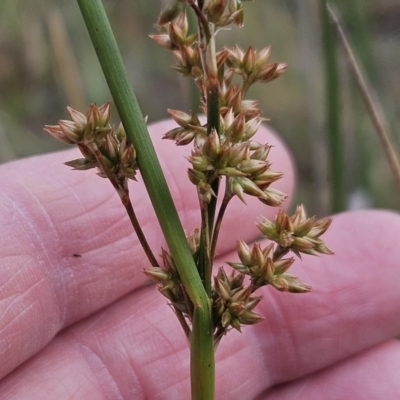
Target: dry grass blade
column 367, row 98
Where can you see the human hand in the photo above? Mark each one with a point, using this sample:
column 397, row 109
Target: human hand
column 78, row 321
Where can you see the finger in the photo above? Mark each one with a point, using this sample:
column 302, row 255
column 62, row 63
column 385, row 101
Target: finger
column 69, row 248
column 371, row 375
column 135, row 347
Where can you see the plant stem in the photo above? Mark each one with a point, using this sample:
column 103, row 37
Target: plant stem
column 202, row 346
column 280, row 252
column 202, row 351
column 203, row 24
column 208, row 214
column 126, row 201
column 369, row 103
column 332, row 96
column 123, row 192
column 218, row 223
column 213, row 123
column 182, row 321
column 209, row 63
column 205, row 262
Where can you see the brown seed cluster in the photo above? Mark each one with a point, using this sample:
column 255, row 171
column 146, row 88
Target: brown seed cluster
column 168, row 280
column 231, row 151
column 170, row 285
column 297, row 232
column 228, row 150
column 102, row 146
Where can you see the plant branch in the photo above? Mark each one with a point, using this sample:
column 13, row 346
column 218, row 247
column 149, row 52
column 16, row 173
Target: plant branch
column 280, row 252
column 205, row 265
column 218, row 224
column 126, row 201
column 182, row 321
column 123, row 192
column 203, row 24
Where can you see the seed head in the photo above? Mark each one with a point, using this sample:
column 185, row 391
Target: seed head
column 297, row 232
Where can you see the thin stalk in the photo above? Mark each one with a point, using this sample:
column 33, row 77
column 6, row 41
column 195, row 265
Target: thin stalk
column 369, row 103
column 202, row 351
column 209, row 63
column 182, row 321
column 218, row 335
column 123, row 192
column 203, row 24
column 213, row 123
column 332, row 95
column 126, row 201
column 205, row 266
column 280, row 252
column 194, row 88
column 209, row 213
column 218, row 224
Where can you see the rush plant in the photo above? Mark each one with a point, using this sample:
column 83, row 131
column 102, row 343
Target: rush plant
column 225, row 161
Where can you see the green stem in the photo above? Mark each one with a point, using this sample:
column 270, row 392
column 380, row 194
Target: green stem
column 213, row 123
column 202, row 346
column 333, row 112
column 218, row 224
column 182, row 321
column 205, row 264
column 202, row 352
column 209, row 213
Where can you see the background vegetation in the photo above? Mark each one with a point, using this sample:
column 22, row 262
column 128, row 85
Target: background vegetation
column 47, row 63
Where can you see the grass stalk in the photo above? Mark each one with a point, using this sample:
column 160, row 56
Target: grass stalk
column 333, row 114
column 202, row 350
column 367, row 98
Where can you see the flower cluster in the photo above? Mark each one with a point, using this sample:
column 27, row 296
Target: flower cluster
column 168, row 279
column 233, row 302
column 231, row 153
column 170, row 285
column 230, row 150
column 226, row 147
column 263, row 268
column 253, row 65
column 219, row 12
column 102, row 146
column 297, row 232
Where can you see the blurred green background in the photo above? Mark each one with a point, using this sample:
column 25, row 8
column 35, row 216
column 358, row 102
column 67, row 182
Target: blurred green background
column 47, row 62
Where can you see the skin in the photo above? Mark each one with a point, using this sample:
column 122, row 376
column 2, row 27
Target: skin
column 91, row 327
